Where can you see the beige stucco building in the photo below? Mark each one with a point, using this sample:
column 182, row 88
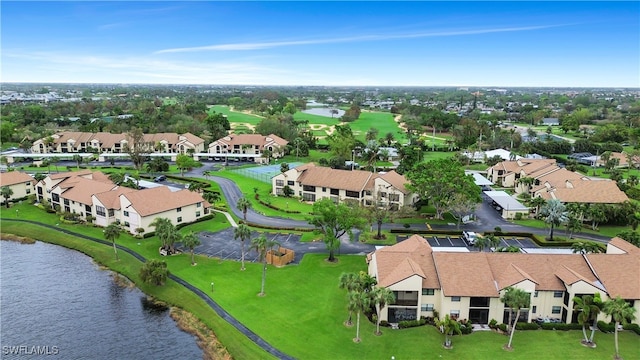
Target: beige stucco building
column 312, row 183
column 248, row 144
column 21, row 184
column 79, row 142
column 92, row 194
column 470, row 285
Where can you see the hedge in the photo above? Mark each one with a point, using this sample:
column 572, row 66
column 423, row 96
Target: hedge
column 527, row 326
column 633, row 327
column 268, row 227
column 411, row 323
column 606, row 327
column 560, row 326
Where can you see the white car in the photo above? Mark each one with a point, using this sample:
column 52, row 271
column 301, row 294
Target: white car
column 470, row 237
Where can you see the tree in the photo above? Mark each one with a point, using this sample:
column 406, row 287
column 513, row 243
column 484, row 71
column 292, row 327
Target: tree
column 284, row 167
column 137, row 148
column 350, row 282
column 78, row 160
column 381, row 296
column 333, row 221
column 448, row 327
column 197, row 187
column 620, row 312
column 190, row 240
column 267, row 154
column 211, row 196
column 262, row 245
column 6, row 194
column 157, row 164
column 111, row 233
column 464, row 202
column 243, row 233
column 481, row 242
column 554, row 213
column 218, row 125
column 116, row 177
column 166, row 232
column 440, row 181
column 359, row 301
column 243, row 205
column 587, row 247
column 186, row 162
column 589, row 307
column 537, row 202
column 573, row 225
column 516, row 299
column 596, row 213
column 154, row 272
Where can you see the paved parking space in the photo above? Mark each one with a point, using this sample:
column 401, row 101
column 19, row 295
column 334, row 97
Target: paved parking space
column 222, row 245
column 456, row 241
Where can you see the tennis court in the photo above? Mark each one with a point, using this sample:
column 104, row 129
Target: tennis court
column 264, row 173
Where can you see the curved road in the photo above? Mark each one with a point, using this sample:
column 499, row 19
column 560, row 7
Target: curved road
column 487, row 218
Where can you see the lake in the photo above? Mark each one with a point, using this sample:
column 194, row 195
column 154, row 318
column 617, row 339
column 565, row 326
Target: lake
column 56, row 301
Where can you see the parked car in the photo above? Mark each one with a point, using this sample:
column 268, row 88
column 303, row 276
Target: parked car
column 160, row 178
column 470, row 237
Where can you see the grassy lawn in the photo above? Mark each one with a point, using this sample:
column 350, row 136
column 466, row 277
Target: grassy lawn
column 308, row 324
column 235, row 116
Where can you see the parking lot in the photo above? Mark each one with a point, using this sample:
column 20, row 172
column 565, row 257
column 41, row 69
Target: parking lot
column 457, row 241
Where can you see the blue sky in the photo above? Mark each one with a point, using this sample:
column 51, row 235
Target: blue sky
column 365, row 43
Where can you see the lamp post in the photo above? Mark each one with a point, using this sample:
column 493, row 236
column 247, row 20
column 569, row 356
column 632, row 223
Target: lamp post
column 353, row 158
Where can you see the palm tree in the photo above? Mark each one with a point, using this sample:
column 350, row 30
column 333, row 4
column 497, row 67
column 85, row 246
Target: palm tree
column 190, row 240
column 163, row 230
column 197, row 187
column 516, row 299
column 211, row 197
column 243, row 233
column 586, row 247
column 360, row 301
column 116, row 177
column 381, row 296
column 573, row 225
column 537, row 202
column 555, row 214
column 589, row 308
column 448, row 327
column 481, row 242
column 243, row 205
column 621, row 312
column 111, row 233
column 262, row 245
column 351, row 282
column 597, row 215
column 6, row 194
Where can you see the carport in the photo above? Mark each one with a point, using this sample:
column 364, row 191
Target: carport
column 510, row 206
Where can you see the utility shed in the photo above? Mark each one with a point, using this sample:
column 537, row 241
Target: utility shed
column 507, row 204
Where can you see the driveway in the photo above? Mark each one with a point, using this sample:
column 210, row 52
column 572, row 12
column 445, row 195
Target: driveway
column 222, row 245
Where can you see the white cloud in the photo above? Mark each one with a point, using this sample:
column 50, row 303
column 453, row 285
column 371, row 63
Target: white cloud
column 275, row 44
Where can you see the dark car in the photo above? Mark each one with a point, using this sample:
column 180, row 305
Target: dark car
column 160, row 178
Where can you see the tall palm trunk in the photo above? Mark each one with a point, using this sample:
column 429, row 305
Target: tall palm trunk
column 242, row 255
column 192, row 257
column 115, row 250
column 513, row 330
column 358, row 327
column 551, row 232
column 264, row 274
column 584, row 332
column 615, row 338
column 593, row 329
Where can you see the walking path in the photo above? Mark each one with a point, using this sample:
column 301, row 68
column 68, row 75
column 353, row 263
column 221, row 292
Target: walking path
column 212, row 303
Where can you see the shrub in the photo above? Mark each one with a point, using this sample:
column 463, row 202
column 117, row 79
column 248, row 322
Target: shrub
column 154, row 272
column 633, row 327
column 560, row 326
column 466, row 327
column 518, row 216
column 606, row 327
column 493, row 323
column 502, row 327
column 411, row 323
column 384, row 323
column 407, row 225
column 527, row 326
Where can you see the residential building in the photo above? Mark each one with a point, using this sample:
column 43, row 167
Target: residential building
column 313, row 183
column 248, row 144
column 21, row 184
column 88, row 193
column 77, row 142
column 470, row 285
column 549, row 181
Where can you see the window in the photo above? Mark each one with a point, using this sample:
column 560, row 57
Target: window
column 557, row 294
column 534, row 309
column 179, row 219
column 291, row 182
column 100, row 211
column 383, row 194
column 535, row 294
column 335, row 192
column 428, row 291
column 352, row 194
column 556, row 309
column 324, row 189
column 426, row 307
column 179, row 209
column 126, row 213
column 199, row 204
column 279, row 182
column 455, row 298
column 308, row 197
column 126, row 223
column 394, row 197
column 197, row 213
column 111, row 213
column 28, row 190
column 66, row 201
column 309, row 188
column 454, row 314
